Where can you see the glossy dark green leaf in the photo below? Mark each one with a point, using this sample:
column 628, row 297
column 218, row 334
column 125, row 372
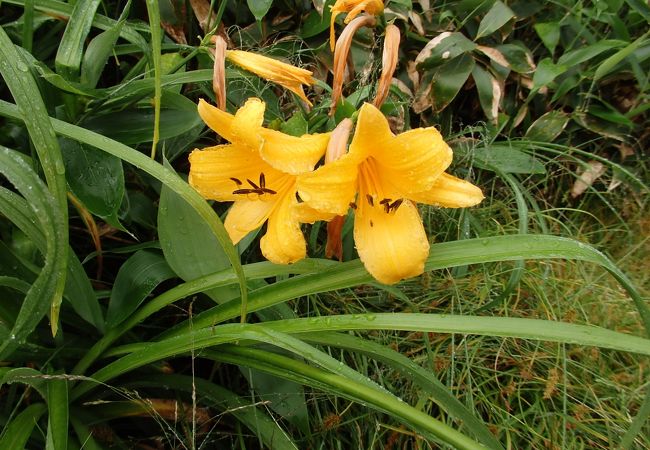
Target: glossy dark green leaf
column 496, row 17
column 189, row 245
column 519, row 57
column 443, row 48
column 68, row 56
column 489, row 92
column 135, row 280
column 135, row 126
column 449, row 79
column 259, row 8
column 94, row 177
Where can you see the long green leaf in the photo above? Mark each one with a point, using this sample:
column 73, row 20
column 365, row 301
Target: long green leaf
column 46, row 286
column 363, row 389
column 20, row 428
column 32, row 110
column 154, row 25
column 57, row 407
column 78, row 290
column 443, row 255
column 343, row 386
column 426, row 379
column 68, row 56
column 166, row 176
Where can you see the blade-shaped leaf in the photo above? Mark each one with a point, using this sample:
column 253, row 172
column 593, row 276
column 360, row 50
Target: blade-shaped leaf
column 68, row 56
column 498, row 15
column 135, row 280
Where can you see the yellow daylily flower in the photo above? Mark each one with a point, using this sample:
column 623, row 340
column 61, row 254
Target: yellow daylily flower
column 286, row 75
column 290, row 154
column 262, row 191
column 353, row 8
column 381, row 178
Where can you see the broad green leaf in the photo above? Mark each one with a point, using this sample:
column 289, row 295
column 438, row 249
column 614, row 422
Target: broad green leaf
column 507, row 159
column 94, row 177
column 548, row 127
column 315, row 23
column 259, row 8
column 296, row 125
column 496, row 17
column 135, row 280
column 489, row 92
column 16, row 433
column 546, row 72
column 68, row 56
column 100, row 49
column 449, row 78
column 135, row 126
column 549, row 33
column 443, row 48
column 189, row 244
column 519, row 57
column 32, row 110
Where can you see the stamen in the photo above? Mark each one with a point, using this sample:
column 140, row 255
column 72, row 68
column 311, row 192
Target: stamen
column 262, row 180
column 371, row 201
column 237, row 181
column 267, row 190
column 298, row 197
column 353, row 205
column 396, row 204
column 252, row 184
column 371, row 224
column 386, row 203
column 244, row 191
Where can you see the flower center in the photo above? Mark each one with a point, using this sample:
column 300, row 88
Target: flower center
column 258, row 190
column 371, row 190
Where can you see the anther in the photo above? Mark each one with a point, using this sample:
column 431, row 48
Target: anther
column 236, row 180
column 396, row 204
column 371, row 201
column 252, row 184
column 353, row 205
column 262, row 180
column 298, row 197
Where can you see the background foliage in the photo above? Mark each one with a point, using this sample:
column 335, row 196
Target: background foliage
column 519, row 335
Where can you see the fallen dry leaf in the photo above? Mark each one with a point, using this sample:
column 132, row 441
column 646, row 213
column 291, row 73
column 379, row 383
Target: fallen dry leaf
column 586, row 178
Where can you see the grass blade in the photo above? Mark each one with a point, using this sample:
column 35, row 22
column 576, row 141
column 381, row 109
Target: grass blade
column 154, row 25
column 68, row 56
column 25, row 92
column 17, row 432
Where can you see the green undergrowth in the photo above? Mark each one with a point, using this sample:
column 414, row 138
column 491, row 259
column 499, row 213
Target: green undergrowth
column 122, row 298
